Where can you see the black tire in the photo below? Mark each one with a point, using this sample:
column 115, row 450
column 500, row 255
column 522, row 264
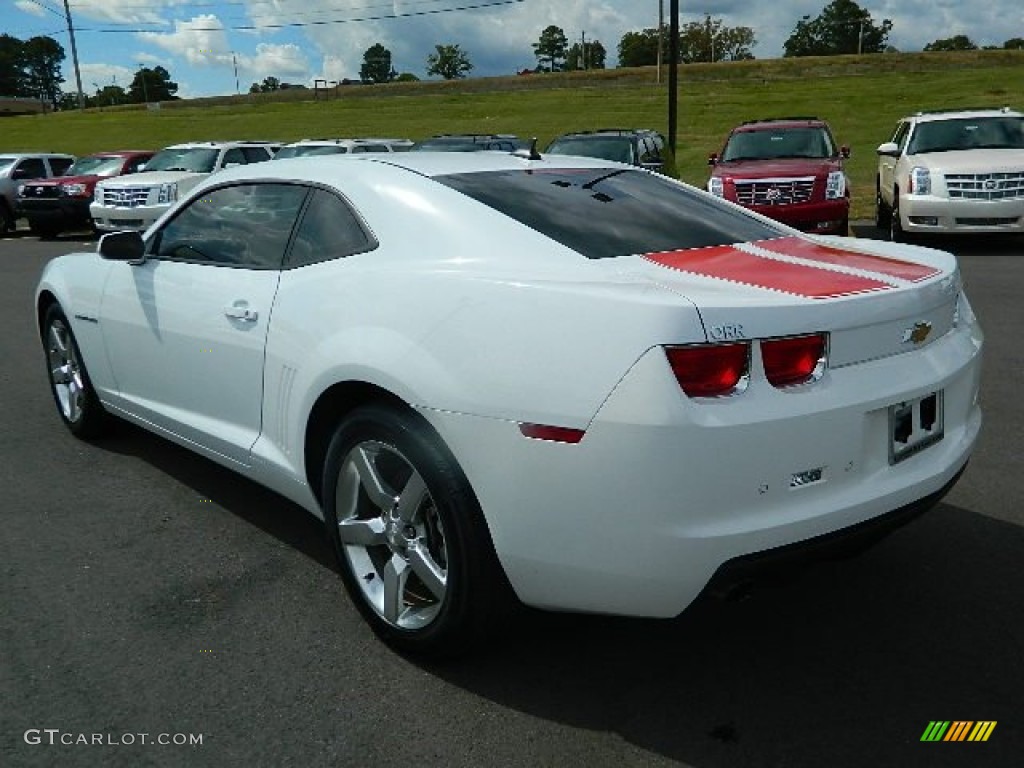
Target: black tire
column 896, row 232
column 77, row 404
column 882, row 212
column 377, row 458
column 7, row 221
column 45, row 231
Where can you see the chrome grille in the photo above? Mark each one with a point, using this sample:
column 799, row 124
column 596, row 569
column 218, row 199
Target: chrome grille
column 774, row 191
column 38, row 191
column 985, row 186
column 126, row 197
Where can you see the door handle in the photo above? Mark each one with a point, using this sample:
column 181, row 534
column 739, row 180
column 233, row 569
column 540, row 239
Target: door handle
column 244, row 314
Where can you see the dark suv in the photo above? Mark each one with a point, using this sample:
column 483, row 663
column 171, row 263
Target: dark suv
column 787, row 168
column 633, row 146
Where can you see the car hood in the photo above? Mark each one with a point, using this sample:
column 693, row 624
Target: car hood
column 56, row 181
column 781, row 167
column 151, row 178
column 972, row 160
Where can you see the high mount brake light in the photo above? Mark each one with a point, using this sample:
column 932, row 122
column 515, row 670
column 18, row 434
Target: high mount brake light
column 794, row 360
column 710, row 370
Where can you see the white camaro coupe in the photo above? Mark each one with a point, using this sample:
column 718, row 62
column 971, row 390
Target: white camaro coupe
column 563, row 380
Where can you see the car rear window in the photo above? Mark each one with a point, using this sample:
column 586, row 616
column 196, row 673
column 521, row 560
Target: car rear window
column 607, row 212
column 619, row 149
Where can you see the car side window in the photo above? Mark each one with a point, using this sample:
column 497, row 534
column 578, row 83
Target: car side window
column 649, row 153
column 245, row 225
column 31, row 168
column 134, row 163
column 60, row 165
column 902, row 134
column 329, row 230
column 369, row 148
column 233, row 156
column 256, row 154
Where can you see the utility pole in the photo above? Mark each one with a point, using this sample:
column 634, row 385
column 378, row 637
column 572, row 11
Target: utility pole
column 661, row 27
column 74, row 55
column 583, row 49
column 234, row 60
column 673, row 71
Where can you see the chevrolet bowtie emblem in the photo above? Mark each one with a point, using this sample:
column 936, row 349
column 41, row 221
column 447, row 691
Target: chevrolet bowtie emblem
column 918, row 333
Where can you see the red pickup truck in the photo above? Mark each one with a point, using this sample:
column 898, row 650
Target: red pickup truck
column 62, row 203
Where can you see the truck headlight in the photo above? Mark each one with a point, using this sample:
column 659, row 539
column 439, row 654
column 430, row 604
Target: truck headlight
column 74, row 190
column 835, row 185
column 716, row 187
column 920, row 181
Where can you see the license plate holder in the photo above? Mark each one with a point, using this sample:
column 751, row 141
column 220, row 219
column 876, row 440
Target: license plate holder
column 915, row 425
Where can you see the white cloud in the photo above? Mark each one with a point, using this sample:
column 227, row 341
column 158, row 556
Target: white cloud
column 200, row 41
column 285, row 62
column 27, row 7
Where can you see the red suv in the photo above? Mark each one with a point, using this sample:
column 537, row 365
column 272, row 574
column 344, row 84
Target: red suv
column 62, row 203
column 787, row 168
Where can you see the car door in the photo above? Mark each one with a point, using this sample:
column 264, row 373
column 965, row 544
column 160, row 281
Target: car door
column 185, row 330
column 887, row 165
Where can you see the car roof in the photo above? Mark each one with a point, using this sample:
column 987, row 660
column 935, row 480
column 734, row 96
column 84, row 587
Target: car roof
column 955, row 114
column 340, row 142
column 628, row 132
column 769, row 123
column 328, row 169
column 221, row 144
column 19, row 155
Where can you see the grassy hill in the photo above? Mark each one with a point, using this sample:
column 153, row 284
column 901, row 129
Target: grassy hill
column 861, row 96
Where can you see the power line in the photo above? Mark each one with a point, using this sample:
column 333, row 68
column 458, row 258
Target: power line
column 317, row 23
column 45, row 7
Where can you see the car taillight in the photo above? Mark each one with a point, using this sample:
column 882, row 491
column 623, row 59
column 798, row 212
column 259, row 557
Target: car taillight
column 794, row 360
column 710, row 370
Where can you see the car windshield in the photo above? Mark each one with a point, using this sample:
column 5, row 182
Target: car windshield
column 813, row 142
column 967, row 133
column 607, row 212
column 616, row 148
column 309, row 150
column 193, row 159
column 97, row 165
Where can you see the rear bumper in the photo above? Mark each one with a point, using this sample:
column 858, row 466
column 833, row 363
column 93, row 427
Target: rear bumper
column 845, row 542
column 662, row 491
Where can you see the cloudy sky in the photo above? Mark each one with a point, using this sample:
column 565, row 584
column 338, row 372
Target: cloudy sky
column 200, row 42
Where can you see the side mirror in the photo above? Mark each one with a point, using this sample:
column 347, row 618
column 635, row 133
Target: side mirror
column 122, row 246
column 844, row 152
column 713, row 158
column 889, row 149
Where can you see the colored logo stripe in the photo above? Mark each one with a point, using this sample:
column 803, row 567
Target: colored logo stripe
column 727, row 263
column 805, row 249
column 958, row 730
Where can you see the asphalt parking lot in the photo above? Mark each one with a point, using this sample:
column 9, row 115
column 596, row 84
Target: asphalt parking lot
column 148, row 591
